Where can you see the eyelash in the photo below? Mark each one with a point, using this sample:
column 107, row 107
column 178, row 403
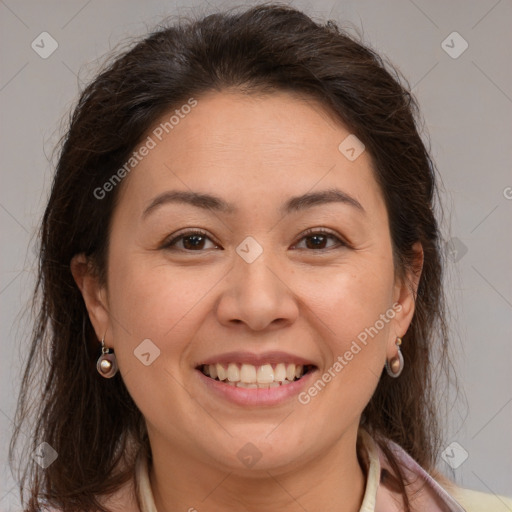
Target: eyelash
column 198, row 232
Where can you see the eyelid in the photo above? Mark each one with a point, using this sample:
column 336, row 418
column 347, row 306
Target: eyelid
column 176, row 237
column 324, row 231
column 186, row 232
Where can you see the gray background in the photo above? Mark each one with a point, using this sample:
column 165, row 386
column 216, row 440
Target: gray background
column 467, row 107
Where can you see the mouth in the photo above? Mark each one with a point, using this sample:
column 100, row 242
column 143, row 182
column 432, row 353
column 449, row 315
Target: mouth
column 265, row 376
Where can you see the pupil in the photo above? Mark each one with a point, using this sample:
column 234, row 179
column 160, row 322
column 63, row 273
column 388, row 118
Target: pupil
column 197, row 242
column 317, row 237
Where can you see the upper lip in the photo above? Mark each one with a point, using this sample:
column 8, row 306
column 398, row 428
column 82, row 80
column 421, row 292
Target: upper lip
column 240, row 357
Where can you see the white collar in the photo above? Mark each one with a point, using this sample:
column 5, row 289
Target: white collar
column 377, row 498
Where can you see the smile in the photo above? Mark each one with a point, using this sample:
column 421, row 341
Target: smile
column 256, row 377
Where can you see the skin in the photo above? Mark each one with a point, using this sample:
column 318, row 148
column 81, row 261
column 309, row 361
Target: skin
column 255, row 152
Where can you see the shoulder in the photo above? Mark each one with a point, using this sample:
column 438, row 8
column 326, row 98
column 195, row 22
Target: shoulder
column 476, row 501
column 433, row 491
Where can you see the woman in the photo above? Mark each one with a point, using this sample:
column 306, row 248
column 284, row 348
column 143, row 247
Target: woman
column 241, row 283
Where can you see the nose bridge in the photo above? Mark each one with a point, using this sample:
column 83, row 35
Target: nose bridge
column 255, row 293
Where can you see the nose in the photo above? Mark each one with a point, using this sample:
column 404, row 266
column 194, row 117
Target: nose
column 258, row 294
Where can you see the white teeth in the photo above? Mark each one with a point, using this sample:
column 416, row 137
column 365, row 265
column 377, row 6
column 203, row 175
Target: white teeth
column 248, row 373
column 221, row 373
column 233, row 373
column 250, row 376
column 259, row 386
column 290, row 371
column 265, row 374
column 280, row 372
column 246, row 385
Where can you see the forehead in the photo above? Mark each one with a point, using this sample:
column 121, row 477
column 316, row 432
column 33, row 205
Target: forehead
column 253, row 148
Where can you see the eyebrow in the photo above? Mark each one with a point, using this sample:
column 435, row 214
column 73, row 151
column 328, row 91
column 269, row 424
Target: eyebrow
column 210, row 202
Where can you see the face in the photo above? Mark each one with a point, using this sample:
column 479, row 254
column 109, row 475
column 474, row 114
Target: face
column 270, row 279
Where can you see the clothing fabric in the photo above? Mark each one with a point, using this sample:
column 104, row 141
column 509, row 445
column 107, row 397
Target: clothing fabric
column 425, row 493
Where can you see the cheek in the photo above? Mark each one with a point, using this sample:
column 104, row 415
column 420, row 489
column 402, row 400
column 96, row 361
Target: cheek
column 350, row 298
column 153, row 297
column 355, row 316
column 151, row 302
column 154, row 315
column 355, row 310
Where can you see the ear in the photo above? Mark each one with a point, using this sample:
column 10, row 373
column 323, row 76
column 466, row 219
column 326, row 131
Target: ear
column 405, row 292
column 94, row 294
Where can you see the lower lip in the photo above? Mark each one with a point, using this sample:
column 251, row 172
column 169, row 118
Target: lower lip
column 256, row 396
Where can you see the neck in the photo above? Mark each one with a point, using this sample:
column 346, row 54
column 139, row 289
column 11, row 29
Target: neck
column 332, row 481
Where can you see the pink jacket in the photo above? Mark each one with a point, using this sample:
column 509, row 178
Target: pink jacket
column 426, row 494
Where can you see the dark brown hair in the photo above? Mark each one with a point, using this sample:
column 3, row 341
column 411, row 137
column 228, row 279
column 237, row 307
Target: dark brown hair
column 90, row 422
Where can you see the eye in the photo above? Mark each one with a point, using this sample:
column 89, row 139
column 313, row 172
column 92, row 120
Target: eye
column 195, row 240
column 192, row 241
column 319, row 237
